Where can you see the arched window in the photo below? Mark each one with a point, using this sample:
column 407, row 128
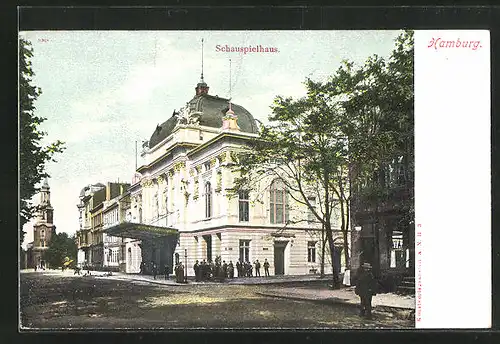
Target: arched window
column 278, row 204
column 208, row 200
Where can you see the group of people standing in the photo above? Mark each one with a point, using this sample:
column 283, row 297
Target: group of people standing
column 245, row 269
column 153, row 269
column 205, row 271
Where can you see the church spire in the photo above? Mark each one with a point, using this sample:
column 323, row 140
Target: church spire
column 45, row 193
column 202, row 87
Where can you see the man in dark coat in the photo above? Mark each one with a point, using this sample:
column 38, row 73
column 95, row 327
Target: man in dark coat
column 166, row 271
column 196, row 268
column 238, row 267
column 230, row 267
column 224, row 269
column 266, row 268
column 257, row 268
column 203, row 270
column 365, row 288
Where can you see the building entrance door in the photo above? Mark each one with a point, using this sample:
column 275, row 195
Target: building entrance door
column 279, row 257
column 208, row 242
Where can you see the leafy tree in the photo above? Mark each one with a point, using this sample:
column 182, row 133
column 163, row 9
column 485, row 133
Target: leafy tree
column 61, row 248
column 343, row 130
column 33, row 155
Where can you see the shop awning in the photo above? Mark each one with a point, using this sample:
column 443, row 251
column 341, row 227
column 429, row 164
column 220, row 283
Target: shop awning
column 140, row 231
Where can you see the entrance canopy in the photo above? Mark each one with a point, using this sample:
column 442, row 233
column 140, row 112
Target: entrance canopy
column 140, row 231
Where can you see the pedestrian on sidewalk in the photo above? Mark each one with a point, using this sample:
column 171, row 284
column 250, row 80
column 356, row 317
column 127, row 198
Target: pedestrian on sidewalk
column 230, row 267
column 365, row 288
column 224, row 269
column 166, row 271
column 266, row 268
column 257, row 268
column 238, row 268
column 154, row 268
column 196, row 268
column 250, row 269
column 203, row 270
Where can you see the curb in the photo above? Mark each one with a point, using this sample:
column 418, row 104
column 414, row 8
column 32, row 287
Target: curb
column 209, row 282
column 330, row 301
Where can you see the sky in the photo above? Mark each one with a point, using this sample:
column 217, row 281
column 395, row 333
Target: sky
column 104, row 90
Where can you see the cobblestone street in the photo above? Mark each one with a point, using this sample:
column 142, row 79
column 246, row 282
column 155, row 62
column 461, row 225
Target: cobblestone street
column 52, row 300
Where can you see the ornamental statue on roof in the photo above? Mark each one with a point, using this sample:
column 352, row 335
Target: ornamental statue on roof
column 187, row 115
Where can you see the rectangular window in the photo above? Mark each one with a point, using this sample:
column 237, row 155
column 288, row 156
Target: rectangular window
column 208, row 200
column 278, row 207
column 244, row 206
column 311, row 252
column 245, row 250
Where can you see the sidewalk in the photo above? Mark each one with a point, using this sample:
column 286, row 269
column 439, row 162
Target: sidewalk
column 160, row 279
column 382, row 302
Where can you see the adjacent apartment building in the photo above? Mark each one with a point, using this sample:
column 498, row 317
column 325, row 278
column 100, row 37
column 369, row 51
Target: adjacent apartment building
column 99, row 209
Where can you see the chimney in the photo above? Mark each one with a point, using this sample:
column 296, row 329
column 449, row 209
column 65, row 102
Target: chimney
column 108, row 191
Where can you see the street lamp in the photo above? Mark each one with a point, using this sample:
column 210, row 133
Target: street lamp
column 186, row 264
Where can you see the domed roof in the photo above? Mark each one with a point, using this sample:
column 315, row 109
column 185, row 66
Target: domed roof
column 212, row 109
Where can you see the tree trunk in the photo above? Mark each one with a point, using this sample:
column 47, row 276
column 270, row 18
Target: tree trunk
column 329, row 235
column 323, row 251
column 345, row 238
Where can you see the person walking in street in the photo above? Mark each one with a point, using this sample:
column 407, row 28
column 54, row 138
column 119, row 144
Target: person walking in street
column 230, row 267
column 257, row 268
column 365, row 289
column 196, row 268
column 266, row 268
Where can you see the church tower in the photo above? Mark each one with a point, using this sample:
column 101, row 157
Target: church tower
column 43, row 228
